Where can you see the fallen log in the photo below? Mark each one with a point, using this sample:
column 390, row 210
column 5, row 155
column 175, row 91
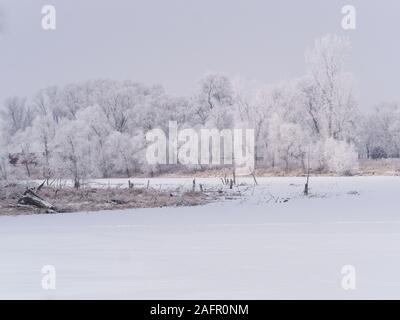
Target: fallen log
column 118, row 201
column 31, row 200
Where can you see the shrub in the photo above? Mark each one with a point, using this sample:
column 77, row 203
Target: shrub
column 378, row 153
column 340, row 157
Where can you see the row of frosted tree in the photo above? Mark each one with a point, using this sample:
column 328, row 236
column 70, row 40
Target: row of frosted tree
column 97, row 129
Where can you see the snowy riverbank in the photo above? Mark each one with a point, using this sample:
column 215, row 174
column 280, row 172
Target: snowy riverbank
column 259, row 246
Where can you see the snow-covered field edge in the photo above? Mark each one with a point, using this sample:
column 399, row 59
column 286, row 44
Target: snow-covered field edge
column 249, row 248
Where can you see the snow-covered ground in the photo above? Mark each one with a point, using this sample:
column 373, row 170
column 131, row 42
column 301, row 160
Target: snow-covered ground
column 270, row 243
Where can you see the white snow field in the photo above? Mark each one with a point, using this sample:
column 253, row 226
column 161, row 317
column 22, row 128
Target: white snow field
column 255, row 247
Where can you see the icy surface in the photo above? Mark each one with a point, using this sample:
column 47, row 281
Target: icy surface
column 270, row 243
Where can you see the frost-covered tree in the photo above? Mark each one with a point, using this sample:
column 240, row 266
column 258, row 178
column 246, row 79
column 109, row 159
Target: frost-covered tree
column 340, row 157
column 44, row 130
column 97, row 128
column 25, row 146
column 98, row 131
column 213, row 105
column 4, row 161
column 127, row 152
column 252, row 111
column 73, row 152
column 329, row 94
column 16, row 115
column 379, row 136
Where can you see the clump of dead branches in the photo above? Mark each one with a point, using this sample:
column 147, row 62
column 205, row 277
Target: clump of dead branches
column 20, row 199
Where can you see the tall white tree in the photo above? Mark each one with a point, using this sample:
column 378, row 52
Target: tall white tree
column 330, row 98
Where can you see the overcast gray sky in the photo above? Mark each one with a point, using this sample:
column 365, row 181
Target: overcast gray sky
column 174, row 42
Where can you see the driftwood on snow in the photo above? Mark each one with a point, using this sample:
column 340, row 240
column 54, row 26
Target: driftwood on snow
column 31, row 200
